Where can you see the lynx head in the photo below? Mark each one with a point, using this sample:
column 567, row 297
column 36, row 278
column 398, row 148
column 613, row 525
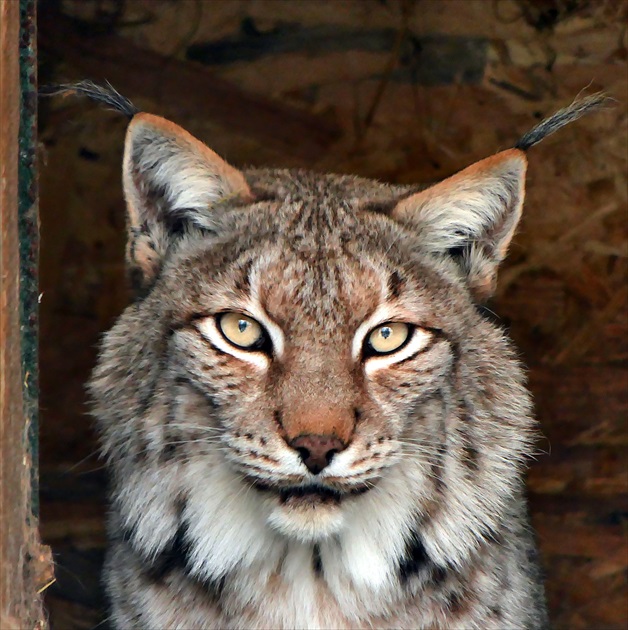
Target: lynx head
column 306, row 361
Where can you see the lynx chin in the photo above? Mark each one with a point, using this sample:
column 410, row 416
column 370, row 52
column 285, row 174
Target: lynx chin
column 307, row 421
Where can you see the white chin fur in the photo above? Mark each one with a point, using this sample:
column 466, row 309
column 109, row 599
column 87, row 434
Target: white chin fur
column 307, row 523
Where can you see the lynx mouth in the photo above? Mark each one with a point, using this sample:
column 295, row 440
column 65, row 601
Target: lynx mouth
column 309, row 494
column 313, row 494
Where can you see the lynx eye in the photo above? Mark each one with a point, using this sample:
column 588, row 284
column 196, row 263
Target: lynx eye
column 388, row 338
column 242, row 331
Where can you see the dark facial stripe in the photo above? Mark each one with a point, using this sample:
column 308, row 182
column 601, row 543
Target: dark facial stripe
column 278, row 419
column 242, row 283
column 495, row 612
column 414, row 559
column 146, row 400
column 175, row 558
column 383, row 206
column 169, row 451
column 470, row 454
column 317, row 562
column 395, row 284
column 456, row 603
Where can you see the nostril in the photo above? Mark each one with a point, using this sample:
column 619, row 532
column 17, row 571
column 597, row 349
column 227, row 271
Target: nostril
column 317, row 451
column 304, row 452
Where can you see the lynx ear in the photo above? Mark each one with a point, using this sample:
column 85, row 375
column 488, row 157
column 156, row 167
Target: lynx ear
column 172, row 181
column 471, row 216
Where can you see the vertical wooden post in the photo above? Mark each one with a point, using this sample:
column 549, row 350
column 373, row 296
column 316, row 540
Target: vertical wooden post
column 21, row 557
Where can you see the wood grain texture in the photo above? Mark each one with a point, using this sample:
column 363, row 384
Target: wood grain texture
column 21, row 558
column 13, row 470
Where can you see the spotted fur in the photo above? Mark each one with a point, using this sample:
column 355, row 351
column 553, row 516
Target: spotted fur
column 421, row 521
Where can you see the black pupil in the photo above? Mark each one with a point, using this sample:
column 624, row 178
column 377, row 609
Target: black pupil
column 242, row 325
column 386, row 332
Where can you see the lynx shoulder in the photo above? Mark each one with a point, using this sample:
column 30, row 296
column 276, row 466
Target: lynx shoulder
column 306, row 420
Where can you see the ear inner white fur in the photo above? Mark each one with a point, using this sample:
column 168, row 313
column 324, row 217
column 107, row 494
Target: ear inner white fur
column 170, row 179
column 472, row 214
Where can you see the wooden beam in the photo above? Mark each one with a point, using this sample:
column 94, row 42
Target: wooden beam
column 12, row 470
column 187, row 87
column 20, row 603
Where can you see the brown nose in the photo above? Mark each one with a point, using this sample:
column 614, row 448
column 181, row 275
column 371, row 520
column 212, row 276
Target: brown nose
column 317, row 451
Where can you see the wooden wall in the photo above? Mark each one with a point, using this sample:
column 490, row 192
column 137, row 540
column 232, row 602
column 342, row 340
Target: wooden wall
column 405, row 91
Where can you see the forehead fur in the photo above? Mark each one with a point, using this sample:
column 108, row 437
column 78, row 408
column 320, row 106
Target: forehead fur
column 292, row 185
column 315, row 249
column 319, row 216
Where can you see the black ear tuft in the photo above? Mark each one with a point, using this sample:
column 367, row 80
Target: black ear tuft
column 563, row 117
column 105, row 95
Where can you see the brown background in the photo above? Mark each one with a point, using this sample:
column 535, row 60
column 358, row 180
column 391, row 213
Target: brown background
column 398, row 90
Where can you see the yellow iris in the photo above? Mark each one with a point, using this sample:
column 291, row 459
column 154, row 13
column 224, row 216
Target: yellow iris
column 388, row 337
column 240, row 330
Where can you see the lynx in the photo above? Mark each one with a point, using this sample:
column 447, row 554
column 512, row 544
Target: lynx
column 307, row 420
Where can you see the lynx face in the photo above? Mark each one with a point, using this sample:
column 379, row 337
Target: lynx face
column 309, row 358
column 306, row 417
